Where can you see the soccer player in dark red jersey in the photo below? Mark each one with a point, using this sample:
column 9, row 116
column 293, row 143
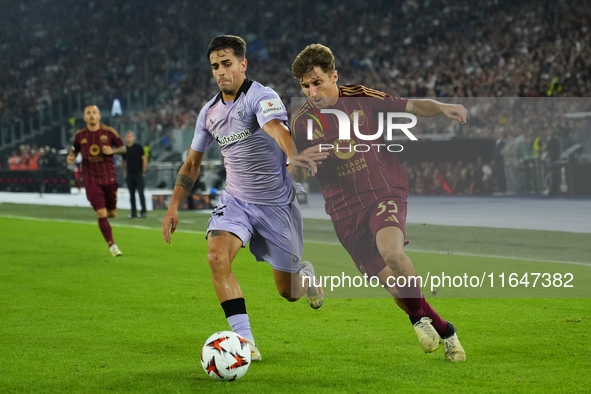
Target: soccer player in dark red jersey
column 98, row 143
column 366, row 191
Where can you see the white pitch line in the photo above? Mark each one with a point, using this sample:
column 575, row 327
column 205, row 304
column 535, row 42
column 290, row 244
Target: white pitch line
column 496, row 257
column 94, row 223
column 306, row 240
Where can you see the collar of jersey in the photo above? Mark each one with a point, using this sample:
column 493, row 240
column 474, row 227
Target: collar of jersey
column 243, row 89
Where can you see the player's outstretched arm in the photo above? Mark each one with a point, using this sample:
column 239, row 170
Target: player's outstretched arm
column 312, row 153
column 185, row 180
column 427, row 108
column 298, row 164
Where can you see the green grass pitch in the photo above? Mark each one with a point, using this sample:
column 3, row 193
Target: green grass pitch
column 75, row 320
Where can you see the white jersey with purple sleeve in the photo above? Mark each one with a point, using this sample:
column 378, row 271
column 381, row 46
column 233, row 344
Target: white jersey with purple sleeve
column 255, row 164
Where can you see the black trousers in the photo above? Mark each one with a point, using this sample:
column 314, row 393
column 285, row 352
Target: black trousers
column 136, row 182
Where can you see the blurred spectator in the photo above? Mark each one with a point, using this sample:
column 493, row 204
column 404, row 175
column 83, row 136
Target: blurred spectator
column 34, row 160
column 134, row 165
column 553, row 147
column 24, row 158
column 539, row 147
column 523, row 145
column 509, row 153
column 14, row 161
column 498, row 162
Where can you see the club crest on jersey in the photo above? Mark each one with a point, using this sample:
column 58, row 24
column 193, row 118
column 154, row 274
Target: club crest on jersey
column 241, row 112
column 360, row 116
column 104, row 138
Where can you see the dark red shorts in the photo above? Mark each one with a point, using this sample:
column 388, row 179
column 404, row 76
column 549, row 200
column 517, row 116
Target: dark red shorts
column 102, row 196
column 358, row 233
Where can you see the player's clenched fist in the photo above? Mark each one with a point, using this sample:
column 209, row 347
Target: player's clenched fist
column 107, row 150
column 171, row 218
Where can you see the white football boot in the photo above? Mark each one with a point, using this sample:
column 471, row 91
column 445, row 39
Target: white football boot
column 255, row 354
column 453, row 348
column 428, row 336
column 115, row 251
column 315, row 294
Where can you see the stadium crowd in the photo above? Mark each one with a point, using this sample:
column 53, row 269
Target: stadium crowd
column 433, row 48
column 32, row 158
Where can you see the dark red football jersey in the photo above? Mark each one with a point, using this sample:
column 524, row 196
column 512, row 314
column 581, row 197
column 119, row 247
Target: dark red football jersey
column 351, row 181
column 97, row 168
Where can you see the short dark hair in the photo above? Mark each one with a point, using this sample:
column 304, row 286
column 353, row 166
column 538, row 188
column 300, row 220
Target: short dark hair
column 235, row 43
column 313, row 55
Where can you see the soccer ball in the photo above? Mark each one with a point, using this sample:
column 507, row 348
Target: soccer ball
column 225, row 356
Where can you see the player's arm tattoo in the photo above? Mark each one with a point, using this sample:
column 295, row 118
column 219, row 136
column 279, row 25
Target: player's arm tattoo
column 217, row 233
column 185, row 182
column 120, row 150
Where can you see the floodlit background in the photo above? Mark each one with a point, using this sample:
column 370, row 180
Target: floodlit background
column 72, row 319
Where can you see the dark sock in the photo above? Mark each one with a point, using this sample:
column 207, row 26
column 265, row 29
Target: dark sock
column 106, row 230
column 237, row 317
column 415, row 319
column 449, row 331
column 437, row 322
column 412, row 299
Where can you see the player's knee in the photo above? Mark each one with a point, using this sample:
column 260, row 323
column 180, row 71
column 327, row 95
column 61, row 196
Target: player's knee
column 101, row 213
column 219, row 263
column 285, row 292
column 112, row 214
column 393, row 257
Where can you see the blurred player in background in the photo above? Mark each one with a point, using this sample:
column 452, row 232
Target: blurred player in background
column 98, row 143
column 247, row 120
column 367, row 203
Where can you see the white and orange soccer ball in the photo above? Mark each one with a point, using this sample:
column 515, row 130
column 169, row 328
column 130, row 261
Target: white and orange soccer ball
column 225, row 356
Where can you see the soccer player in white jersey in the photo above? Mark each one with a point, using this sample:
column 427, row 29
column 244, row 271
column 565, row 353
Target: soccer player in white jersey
column 248, row 121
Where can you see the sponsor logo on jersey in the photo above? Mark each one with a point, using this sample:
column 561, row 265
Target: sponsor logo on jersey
column 94, row 150
column 270, row 107
column 318, row 134
column 234, row 137
column 84, row 141
column 360, row 117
